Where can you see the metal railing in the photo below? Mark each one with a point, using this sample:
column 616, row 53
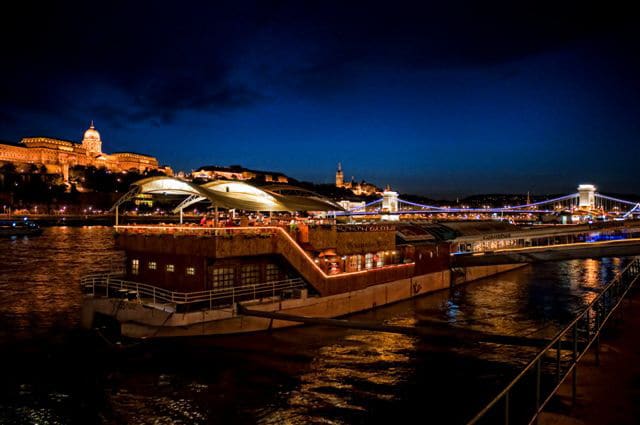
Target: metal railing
column 200, row 230
column 532, row 388
column 108, row 286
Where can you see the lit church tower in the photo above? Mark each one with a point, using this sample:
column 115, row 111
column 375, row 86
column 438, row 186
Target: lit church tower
column 339, row 176
column 91, row 140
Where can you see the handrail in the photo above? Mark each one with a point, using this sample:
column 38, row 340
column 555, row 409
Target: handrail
column 603, row 301
column 210, row 231
column 258, row 290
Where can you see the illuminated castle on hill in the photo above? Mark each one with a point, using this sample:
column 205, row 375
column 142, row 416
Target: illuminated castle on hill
column 362, row 188
column 58, row 155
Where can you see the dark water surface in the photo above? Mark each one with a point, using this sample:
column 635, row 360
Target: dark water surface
column 54, row 373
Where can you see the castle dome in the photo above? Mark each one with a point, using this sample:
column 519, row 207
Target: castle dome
column 91, row 133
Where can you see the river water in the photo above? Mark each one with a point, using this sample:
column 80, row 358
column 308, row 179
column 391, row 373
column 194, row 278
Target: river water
column 55, row 373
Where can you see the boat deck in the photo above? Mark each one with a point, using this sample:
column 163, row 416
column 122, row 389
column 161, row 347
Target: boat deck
column 110, row 286
column 238, row 242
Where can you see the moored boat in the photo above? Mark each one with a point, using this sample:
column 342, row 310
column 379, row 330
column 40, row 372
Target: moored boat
column 188, row 280
column 24, row 227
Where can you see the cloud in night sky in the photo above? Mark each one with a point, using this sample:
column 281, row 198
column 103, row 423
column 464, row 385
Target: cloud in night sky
column 423, row 82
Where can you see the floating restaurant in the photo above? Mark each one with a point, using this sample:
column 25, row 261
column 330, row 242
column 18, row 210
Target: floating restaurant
column 192, row 280
column 293, row 258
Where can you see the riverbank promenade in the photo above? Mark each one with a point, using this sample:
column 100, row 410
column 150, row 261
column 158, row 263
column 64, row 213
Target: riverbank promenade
column 608, row 394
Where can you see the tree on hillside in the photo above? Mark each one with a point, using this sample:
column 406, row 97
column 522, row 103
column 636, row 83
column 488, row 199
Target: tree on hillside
column 8, row 168
column 8, row 176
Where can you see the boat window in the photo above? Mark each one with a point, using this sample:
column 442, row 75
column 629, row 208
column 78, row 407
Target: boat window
column 273, row 272
column 190, row 271
column 368, row 261
column 354, row 263
column 153, row 265
column 222, row 277
column 171, row 268
column 380, row 259
column 249, row 274
column 135, row 266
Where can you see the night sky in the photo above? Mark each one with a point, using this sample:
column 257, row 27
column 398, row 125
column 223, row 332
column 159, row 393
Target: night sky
column 442, row 99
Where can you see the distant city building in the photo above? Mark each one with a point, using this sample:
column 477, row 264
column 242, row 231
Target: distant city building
column 59, row 155
column 350, row 205
column 362, row 188
column 237, row 172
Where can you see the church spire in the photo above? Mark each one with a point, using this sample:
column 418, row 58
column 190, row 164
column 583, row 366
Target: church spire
column 339, row 176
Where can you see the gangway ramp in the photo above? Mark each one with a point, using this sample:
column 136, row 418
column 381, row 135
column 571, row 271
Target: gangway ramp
column 451, row 336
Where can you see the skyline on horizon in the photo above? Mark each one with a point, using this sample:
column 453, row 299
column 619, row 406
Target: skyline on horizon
column 338, row 166
column 439, row 100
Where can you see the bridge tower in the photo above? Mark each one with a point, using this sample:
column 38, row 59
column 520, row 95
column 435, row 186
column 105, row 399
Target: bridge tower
column 390, row 204
column 587, row 196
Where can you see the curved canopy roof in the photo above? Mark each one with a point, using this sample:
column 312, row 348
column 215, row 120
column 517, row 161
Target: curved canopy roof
column 300, row 199
column 228, row 195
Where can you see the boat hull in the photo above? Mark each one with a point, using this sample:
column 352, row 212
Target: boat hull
column 138, row 320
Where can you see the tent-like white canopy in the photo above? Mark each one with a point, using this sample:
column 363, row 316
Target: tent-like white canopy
column 229, row 195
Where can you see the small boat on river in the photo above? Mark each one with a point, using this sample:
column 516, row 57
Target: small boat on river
column 25, row 227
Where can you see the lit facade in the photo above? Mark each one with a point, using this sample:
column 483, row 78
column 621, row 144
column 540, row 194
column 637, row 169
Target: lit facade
column 59, row 155
column 362, row 188
column 339, row 176
column 236, row 172
column 350, row 205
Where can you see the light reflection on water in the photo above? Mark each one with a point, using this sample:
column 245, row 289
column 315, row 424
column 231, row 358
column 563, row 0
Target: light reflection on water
column 40, row 276
column 346, row 376
column 304, row 375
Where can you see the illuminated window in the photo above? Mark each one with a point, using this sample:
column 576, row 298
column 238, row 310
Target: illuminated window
column 152, row 265
column 368, row 261
column 222, row 277
column 135, row 266
column 249, row 274
column 190, row 271
column 273, row 272
column 170, row 268
column 380, row 259
column 354, row 263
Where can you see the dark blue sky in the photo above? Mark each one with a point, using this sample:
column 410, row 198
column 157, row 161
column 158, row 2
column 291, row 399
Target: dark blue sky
column 441, row 100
